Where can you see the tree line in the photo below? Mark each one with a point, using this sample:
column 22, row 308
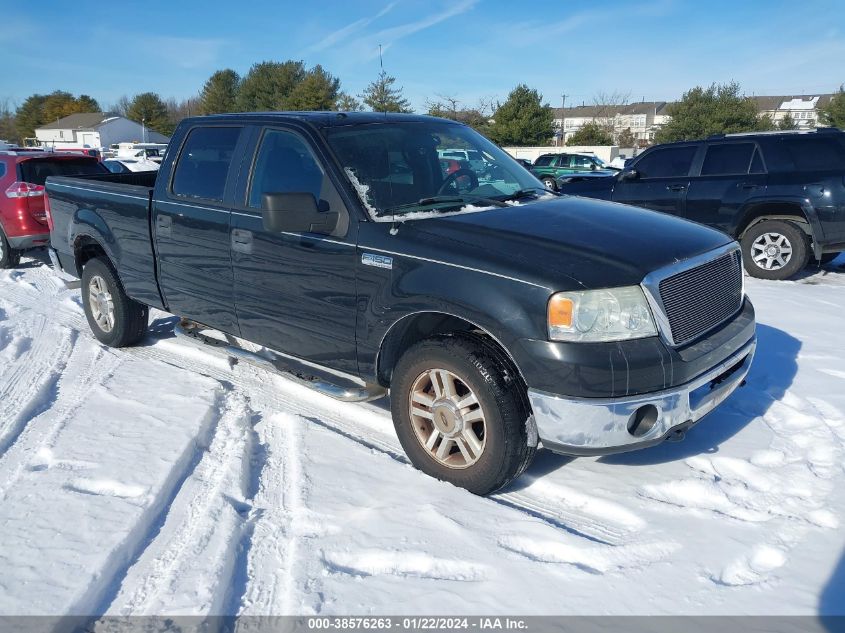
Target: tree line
column 524, row 118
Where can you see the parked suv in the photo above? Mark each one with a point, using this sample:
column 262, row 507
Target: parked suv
column 23, row 220
column 550, row 167
column 781, row 194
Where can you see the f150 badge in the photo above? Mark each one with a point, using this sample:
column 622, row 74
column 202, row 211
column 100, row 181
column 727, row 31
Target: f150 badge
column 379, row 261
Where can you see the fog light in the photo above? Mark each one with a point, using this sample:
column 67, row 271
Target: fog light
column 642, row 420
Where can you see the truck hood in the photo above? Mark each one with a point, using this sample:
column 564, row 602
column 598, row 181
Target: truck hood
column 593, row 243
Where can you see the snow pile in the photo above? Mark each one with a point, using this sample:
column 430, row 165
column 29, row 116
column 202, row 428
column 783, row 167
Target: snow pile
column 164, row 479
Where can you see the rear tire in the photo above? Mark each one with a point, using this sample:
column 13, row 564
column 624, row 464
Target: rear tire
column 480, row 446
column 9, row 257
column 775, row 249
column 114, row 318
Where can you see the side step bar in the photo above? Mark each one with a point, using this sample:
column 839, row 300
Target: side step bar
column 326, row 383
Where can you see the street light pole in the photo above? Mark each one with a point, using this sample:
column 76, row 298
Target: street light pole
column 143, row 130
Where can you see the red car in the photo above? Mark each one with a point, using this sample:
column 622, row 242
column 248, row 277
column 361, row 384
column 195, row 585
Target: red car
column 23, row 218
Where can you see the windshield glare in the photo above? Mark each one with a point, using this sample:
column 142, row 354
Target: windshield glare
column 397, row 166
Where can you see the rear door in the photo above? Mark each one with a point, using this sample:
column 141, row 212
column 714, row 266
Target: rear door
column 731, row 174
column 294, row 292
column 191, row 221
column 662, row 179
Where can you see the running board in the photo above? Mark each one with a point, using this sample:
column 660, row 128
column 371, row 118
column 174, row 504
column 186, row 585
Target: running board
column 293, row 369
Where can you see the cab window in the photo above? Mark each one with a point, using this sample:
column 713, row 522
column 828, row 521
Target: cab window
column 668, row 162
column 727, row 158
column 203, row 164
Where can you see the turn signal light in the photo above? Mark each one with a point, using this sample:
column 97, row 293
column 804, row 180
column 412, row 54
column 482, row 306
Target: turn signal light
column 560, row 311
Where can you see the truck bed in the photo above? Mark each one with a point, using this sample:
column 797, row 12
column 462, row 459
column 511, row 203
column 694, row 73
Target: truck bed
column 112, row 210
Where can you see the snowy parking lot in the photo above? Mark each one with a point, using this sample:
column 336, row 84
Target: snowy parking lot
column 164, row 479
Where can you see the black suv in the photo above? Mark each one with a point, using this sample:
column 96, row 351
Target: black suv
column 781, row 194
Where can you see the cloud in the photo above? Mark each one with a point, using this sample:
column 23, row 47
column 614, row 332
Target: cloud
column 341, row 34
column 390, row 36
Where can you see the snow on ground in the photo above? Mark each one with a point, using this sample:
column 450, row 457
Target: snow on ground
column 164, row 479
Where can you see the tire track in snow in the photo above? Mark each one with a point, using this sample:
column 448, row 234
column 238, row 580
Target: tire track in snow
column 103, row 593
column 88, row 367
column 30, row 387
column 195, row 551
column 280, row 521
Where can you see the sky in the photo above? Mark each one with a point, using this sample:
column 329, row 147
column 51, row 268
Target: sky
column 467, row 49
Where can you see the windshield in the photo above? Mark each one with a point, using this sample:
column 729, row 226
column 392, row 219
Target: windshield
column 407, row 167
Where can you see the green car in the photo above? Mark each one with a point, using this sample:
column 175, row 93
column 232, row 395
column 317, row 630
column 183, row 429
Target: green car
column 550, row 167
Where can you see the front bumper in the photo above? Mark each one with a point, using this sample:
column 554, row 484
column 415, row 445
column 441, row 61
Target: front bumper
column 599, row 426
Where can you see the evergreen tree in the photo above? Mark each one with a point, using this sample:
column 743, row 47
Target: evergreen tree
column 719, row 109
column 148, row 108
column 381, row 96
column 220, row 92
column 591, row 134
column 84, row 103
column 268, row 85
column 523, row 119
column 833, row 114
column 29, row 115
column 787, row 123
column 626, row 138
column 318, row 90
column 8, row 131
column 348, row 103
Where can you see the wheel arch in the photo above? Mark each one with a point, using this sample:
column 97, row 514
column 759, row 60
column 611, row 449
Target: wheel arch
column 795, row 211
column 415, row 327
column 85, row 248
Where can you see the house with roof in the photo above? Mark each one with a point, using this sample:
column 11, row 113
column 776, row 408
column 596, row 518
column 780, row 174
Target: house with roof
column 642, row 118
column 96, row 130
column 804, row 109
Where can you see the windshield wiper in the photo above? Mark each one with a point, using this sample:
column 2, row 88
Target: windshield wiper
column 443, row 200
column 528, row 192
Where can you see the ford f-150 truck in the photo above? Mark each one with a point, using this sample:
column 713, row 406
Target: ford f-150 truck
column 498, row 314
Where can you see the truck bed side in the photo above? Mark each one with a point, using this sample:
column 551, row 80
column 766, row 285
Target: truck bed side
column 110, row 212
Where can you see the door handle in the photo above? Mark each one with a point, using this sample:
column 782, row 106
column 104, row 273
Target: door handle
column 164, row 225
column 676, row 187
column 748, row 185
column 241, row 241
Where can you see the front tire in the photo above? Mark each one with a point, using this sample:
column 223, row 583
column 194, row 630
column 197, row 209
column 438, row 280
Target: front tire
column 461, row 413
column 550, row 183
column 775, row 249
column 9, row 257
column 114, row 318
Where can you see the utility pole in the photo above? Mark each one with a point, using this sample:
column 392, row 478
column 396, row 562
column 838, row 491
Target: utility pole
column 562, row 118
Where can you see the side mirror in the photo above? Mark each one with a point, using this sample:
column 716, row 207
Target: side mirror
column 297, row 212
column 629, row 174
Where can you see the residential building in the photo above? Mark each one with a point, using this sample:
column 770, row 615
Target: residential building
column 642, row 118
column 804, row 109
column 96, row 130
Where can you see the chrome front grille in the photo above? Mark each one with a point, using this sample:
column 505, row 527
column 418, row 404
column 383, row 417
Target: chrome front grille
column 696, row 296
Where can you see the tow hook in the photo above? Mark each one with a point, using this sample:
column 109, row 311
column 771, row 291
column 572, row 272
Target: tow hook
column 677, row 436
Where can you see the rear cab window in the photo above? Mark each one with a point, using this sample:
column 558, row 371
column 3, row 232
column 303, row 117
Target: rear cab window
column 203, row 164
column 36, row 170
column 667, row 162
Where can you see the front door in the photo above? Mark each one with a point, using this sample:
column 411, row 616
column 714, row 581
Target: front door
column 660, row 182
column 191, row 221
column 294, row 292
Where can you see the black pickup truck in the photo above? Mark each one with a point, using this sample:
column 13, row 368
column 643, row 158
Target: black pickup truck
column 498, row 314
column 781, row 194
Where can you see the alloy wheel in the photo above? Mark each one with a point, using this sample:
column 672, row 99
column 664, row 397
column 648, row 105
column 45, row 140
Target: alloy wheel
column 771, row 251
column 447, row 418
column 101, row 303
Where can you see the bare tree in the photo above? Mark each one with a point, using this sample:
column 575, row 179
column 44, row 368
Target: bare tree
column 608, row 105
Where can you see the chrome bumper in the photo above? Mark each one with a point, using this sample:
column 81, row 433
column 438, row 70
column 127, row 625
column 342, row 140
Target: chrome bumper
column 597, row 426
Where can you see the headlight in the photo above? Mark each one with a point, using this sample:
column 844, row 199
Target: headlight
column 614, row 314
